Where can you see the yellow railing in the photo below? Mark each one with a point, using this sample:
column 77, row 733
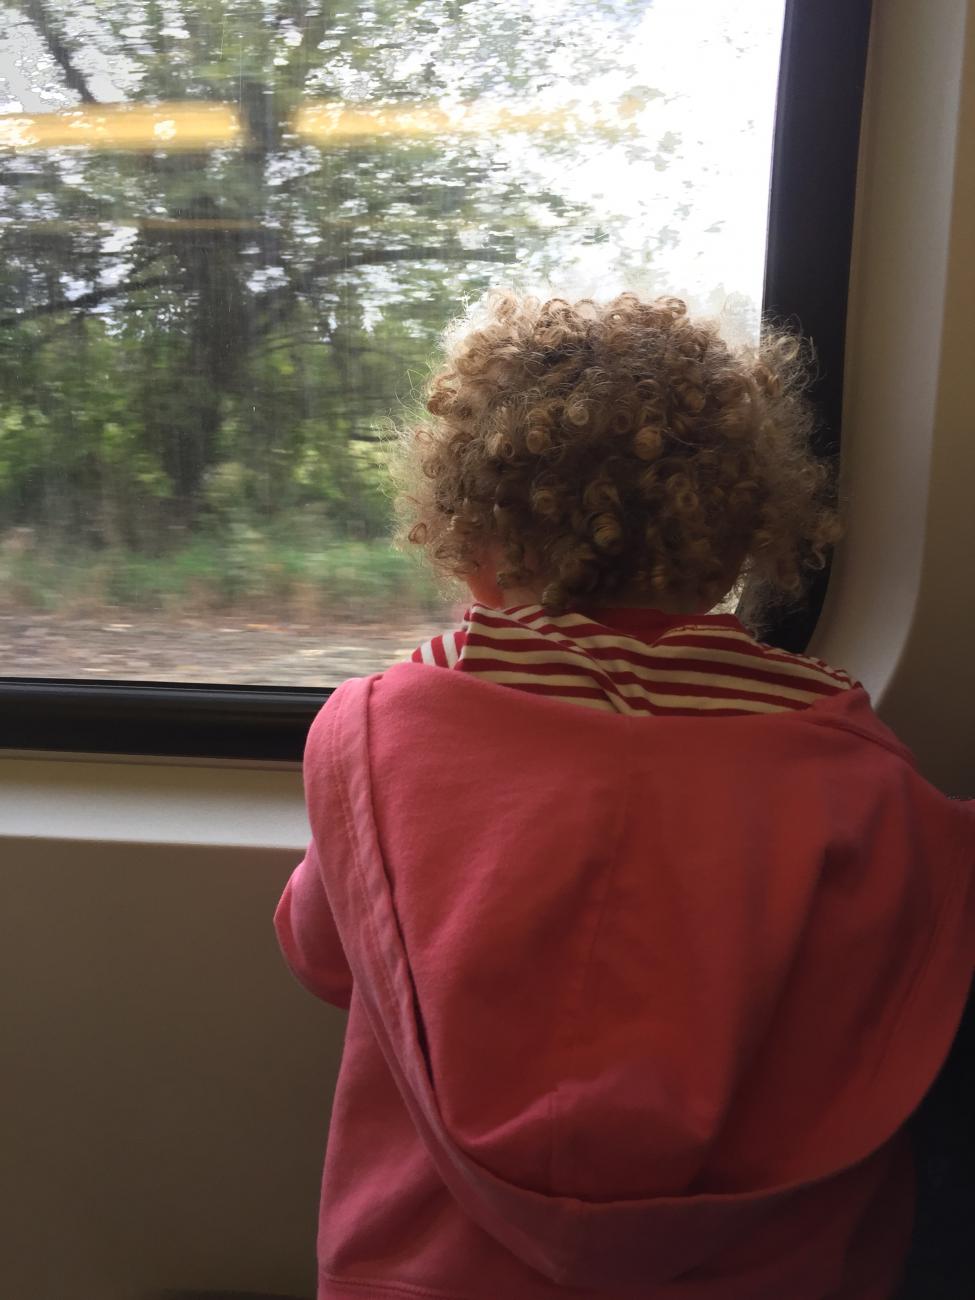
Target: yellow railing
column 125, row 126
column 196, row 125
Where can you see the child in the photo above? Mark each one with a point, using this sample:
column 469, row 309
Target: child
column 651, row 935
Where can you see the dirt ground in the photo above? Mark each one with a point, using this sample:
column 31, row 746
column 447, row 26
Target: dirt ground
column 222, row 650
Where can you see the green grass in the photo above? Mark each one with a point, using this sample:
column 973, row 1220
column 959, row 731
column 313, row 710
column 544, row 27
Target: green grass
column 247, row 573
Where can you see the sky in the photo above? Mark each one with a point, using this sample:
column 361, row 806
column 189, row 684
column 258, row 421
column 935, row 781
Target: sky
column 717, row 64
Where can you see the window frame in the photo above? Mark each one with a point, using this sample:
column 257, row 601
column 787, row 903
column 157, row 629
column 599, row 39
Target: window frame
column 810, row 232
column 815, row 158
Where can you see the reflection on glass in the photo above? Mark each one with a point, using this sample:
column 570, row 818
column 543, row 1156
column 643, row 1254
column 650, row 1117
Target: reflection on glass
column 233, row 232
column 208, row 126
column 124, row 126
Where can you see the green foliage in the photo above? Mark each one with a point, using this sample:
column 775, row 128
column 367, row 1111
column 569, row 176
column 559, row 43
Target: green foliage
column 241, row 571
column 201, row 346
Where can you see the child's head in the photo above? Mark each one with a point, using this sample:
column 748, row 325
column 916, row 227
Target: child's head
column 615, row 453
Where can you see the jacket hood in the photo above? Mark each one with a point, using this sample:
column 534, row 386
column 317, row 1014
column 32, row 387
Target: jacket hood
column 640, row 982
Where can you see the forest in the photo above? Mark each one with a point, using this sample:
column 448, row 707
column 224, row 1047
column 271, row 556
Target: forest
column 213, row 304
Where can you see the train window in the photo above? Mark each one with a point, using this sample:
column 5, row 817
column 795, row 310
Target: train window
column 233, row 234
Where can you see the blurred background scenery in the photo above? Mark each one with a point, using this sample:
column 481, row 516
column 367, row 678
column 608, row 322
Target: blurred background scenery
column 232, row 233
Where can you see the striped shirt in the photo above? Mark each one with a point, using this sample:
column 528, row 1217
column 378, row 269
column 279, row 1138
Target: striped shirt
column 633, row 661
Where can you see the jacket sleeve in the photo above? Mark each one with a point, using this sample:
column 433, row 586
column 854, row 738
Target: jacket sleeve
column 308, row 936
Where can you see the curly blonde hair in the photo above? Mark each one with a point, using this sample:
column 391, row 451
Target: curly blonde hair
column 616, row 448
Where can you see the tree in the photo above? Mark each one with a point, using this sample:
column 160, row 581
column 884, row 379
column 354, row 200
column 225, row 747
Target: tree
column 164, row 313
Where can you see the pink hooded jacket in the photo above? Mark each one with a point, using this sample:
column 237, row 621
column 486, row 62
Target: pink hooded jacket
column 638, row 1007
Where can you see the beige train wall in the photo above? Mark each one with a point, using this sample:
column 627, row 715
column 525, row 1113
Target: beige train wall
column 900, row 610
column 166, row 1084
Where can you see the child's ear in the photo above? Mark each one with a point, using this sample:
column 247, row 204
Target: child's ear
column 483, row 586
column 483, row 581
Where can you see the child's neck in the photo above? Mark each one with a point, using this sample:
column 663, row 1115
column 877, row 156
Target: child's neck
column 485, row 591
column 666, row 604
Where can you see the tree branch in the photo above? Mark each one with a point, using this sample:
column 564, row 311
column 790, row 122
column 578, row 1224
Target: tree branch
column 276, row 303
column 304, row 282
column 36, row 12
column 83, row 301
column 411, row 253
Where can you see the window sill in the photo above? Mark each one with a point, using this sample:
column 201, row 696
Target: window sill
column 89, row 798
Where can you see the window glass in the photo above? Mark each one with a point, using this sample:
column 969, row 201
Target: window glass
column 233, row 231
